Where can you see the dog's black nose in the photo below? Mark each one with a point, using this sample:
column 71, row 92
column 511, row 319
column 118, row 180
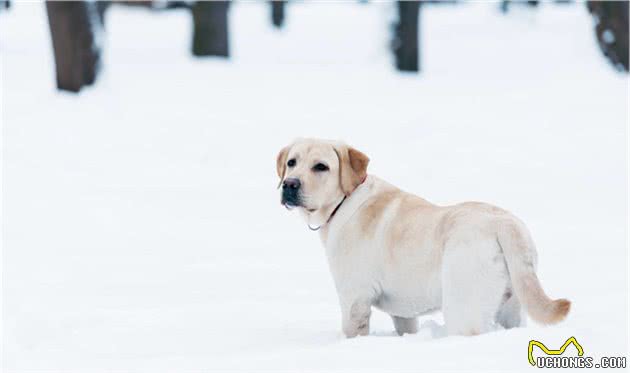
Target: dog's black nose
column 291, row 183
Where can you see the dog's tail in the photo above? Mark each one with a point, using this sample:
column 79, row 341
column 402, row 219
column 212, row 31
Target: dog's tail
column 520, row 255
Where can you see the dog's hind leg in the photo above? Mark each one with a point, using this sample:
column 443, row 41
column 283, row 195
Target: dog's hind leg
column 510, row 313
column 473, row 286
column 405, row 325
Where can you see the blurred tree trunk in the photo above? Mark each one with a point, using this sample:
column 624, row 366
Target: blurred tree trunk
column 101, row 7
column 177, row 5
column 74, row 26
column 405, row 43
column 506, row 4
column 611, row 29
column 277, row 12
column 210, row 34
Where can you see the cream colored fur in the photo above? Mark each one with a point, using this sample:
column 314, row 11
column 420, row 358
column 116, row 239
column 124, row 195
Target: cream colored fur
column 406, row 256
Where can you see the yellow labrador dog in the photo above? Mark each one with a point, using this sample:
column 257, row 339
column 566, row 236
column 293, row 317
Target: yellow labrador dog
column 406, row 256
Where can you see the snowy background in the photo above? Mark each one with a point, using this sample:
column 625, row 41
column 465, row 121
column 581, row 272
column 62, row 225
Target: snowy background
column 142, row 230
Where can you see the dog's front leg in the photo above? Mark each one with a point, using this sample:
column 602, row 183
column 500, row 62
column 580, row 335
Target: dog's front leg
column 405, row 325
column 356, row 317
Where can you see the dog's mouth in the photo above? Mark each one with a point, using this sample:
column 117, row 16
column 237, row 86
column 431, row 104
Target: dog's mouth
column 290, row 206
column 292, row 199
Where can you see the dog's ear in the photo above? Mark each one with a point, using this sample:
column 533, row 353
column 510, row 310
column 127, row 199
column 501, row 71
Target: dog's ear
column 352, row 167
column 281, row 163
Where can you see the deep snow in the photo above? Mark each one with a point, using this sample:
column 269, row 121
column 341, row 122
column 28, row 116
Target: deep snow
column 142, row 230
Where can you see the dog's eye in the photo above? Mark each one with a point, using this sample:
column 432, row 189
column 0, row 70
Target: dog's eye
column 320, row 167
column 291, row 162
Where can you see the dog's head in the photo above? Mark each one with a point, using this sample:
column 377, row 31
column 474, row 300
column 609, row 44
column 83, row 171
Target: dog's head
column 315, row 175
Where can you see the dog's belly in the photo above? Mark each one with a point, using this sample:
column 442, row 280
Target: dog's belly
column 406, row 306
column 411, row 282
column 409, row 302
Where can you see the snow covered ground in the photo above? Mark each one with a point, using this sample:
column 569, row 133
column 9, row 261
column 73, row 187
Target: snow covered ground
column 142, row 230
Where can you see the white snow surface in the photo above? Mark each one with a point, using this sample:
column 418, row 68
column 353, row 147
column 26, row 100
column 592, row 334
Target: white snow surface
column 142, row 229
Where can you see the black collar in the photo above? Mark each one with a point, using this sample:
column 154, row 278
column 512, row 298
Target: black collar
column 335, row 210
column 331, row 215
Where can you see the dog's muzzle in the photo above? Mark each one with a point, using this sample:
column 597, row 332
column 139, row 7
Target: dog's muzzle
column 291, row 193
